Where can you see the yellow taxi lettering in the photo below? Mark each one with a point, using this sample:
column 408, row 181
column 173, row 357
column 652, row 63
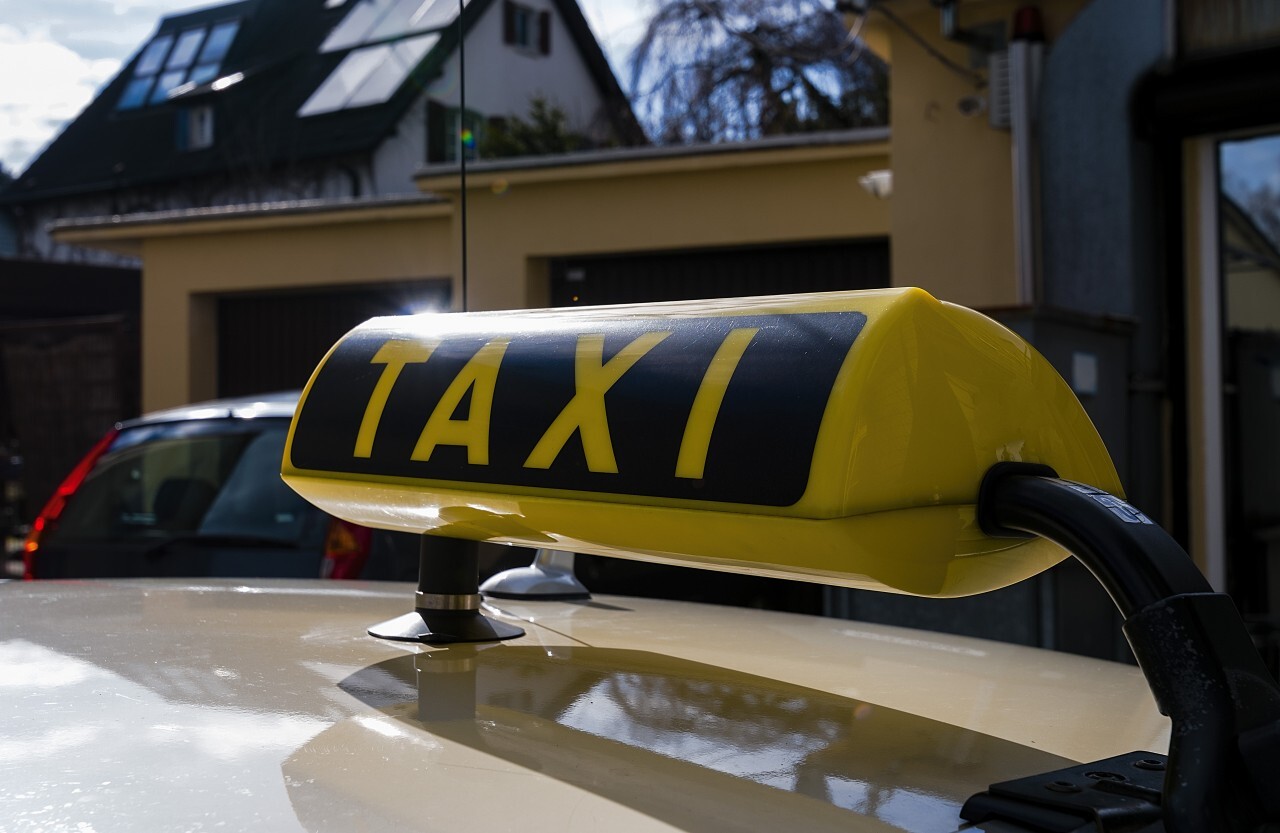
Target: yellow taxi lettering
column 585, row 413
column 479, row 376
column 395, row 355
column 692, row 459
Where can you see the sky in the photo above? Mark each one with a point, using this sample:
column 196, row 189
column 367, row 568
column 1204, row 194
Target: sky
column 56, row 54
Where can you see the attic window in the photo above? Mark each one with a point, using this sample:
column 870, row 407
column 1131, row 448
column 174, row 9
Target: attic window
column 192, row 58
column 525, row 28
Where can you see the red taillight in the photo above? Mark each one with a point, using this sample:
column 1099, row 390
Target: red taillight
column 346, row 548
column 49, row 515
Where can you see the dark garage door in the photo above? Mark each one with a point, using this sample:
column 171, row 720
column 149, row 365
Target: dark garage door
column 272, row 342
column 720, row 273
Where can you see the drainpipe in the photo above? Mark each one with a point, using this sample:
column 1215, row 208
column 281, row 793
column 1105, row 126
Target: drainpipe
column 1026, row 56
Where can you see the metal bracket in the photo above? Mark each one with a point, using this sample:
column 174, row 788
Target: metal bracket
column 447, row 605
column 1118, row 794
column 549, row 578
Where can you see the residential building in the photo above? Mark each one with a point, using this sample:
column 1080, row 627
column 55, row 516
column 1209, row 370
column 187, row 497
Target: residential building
column 277, row 100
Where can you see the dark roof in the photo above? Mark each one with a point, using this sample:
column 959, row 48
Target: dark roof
column 257, row 130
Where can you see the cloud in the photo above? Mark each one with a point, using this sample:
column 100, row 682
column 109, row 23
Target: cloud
column 42, row 85
column 54, row 57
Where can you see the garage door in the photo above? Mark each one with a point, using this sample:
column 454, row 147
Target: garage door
column 270, row 342
column 720, row 273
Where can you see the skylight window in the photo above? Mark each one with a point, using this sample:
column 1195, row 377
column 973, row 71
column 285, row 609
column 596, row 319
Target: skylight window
column 193, row 58
column 387, row 39
column 371, row 21
column 153, row 56
column 368, row 76
column 184, row 52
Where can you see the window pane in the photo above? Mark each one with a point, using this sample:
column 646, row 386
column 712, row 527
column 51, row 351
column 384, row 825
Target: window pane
column 203, row 74
column 337, row 89
column 355, row 27
column 254, row 500
column 168, row 81
column 414, row 16
column 433, row 14
column 210, row 477
column 524, row 26
column 184, row 52
column 153, row 56
column 135, row 94
column 215, row 48
column 401, row 59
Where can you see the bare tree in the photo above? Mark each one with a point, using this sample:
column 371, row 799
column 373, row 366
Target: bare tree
column 724, row 70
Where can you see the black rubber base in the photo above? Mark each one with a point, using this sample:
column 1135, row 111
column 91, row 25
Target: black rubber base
column 437, row 627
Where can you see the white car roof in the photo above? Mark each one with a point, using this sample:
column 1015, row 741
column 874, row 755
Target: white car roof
column 280, row 405
column 182, row 705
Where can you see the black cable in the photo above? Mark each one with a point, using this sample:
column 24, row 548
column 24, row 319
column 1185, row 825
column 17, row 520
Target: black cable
column 976, row 78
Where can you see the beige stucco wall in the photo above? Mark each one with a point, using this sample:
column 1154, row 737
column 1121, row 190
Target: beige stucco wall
column 518, row 219
column 952, row 205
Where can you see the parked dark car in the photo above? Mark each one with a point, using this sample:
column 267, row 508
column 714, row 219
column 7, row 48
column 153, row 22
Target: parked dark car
column 196, row 491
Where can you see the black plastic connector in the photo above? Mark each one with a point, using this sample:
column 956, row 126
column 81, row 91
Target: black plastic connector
column 1224, row 753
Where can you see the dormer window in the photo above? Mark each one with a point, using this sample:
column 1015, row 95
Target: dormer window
column 169, row 63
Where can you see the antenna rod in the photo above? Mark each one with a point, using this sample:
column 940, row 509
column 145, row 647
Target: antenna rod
column 462, row 145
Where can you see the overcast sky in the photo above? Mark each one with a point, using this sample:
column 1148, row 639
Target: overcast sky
column 56, row 54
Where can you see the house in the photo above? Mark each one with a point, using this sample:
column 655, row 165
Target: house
column 277, row 100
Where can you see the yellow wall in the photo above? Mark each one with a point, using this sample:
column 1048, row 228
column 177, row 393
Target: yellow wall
column 183, row 274
column 518, row 219
column 952, row 205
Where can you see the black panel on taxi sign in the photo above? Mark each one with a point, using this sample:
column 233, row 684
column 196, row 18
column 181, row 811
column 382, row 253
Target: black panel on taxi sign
column 721, row 408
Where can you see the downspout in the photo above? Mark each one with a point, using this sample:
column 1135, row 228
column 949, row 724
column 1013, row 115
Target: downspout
column 1026, row 58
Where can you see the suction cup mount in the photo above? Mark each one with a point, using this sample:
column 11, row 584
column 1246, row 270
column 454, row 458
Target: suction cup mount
column 447, row 605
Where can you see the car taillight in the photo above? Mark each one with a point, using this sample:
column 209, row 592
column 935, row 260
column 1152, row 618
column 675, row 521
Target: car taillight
column 346, row 548
column 53, row 509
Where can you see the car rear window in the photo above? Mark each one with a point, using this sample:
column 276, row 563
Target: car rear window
column 202, row 477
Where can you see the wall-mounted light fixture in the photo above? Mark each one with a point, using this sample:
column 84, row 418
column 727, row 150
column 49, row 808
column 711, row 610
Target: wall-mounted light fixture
column 878, row 184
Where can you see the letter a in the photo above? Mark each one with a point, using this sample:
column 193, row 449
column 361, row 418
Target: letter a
column 480, row 376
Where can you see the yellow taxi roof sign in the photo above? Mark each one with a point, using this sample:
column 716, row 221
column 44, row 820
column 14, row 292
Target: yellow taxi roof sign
column 838, row 437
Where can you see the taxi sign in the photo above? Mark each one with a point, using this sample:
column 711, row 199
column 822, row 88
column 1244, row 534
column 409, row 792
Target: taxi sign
column 838, row 437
